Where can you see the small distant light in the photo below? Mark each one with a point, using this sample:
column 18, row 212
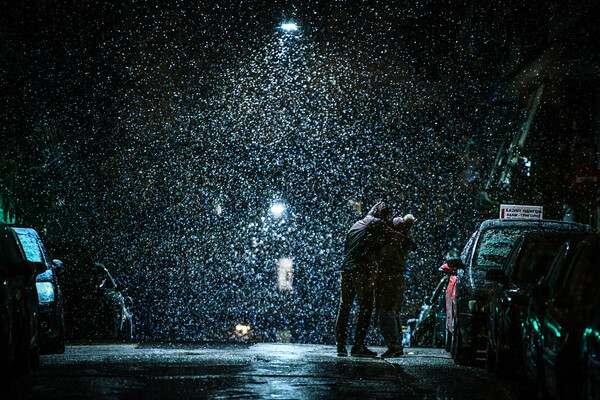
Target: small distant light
column 277, row 209
column 242, row 330
column 290, row 27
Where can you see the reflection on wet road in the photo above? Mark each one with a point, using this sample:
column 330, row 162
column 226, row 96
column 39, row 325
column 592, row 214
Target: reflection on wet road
column 260, row 371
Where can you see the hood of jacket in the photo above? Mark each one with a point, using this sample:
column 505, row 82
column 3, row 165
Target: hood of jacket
column 379, row 212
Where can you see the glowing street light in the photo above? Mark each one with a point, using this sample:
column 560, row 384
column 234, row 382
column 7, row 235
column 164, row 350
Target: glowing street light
column 277, row 209
column 289, row 27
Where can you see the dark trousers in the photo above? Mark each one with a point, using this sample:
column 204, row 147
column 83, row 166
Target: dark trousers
column 390, row 327
column 355, row 285
column 389, row 295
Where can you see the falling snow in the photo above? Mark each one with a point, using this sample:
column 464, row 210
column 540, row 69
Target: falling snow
column 199, row 151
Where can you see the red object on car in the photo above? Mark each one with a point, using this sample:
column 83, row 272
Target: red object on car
column 450, row 296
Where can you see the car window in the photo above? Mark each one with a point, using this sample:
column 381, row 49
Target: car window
column 108, row 283
column 13, row 251
column 558, row 269
column 103, row 278
column 464, row 255
column 515, row 252
column 535, row 260
column 439, row 289
column 494, row 246
column 30, row 247
column 583, row 274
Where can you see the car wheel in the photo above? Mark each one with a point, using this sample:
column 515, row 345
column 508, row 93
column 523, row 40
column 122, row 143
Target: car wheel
column 34, row 358
column 60, row 340
column 125, row 334
column 56, row 345
column 460, row 355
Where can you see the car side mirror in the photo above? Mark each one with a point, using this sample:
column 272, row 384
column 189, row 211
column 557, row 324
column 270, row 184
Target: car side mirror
column 447, row 270
column 456, row 264
column 496, row 275
column 58, row 265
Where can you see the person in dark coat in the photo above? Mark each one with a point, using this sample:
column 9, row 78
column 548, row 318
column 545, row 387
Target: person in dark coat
column 363, row 242
column 389, row 285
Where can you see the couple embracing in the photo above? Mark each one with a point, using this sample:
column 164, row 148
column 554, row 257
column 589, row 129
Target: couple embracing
column 375, row 254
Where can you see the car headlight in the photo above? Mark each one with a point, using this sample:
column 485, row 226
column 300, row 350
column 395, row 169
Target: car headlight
column 45, row 292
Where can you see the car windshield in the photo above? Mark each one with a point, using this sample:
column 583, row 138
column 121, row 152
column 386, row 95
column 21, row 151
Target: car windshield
column 494, row 246
column 33, row 252
column 105, row 279
column 30, row 246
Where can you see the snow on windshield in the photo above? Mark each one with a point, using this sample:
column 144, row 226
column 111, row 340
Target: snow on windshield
column 495, row 244
column 30, row 245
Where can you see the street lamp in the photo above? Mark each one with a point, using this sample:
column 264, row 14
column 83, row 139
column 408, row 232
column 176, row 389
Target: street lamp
column 277, row 209
column 289, row 27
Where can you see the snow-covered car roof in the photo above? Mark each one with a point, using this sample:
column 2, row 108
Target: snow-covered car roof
column 542, row 224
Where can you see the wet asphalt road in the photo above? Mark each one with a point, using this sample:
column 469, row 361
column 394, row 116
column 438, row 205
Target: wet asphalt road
column 259, row 371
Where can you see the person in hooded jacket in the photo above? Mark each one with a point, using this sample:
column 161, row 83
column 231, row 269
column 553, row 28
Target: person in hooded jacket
column 363, row 243
column 389, row 285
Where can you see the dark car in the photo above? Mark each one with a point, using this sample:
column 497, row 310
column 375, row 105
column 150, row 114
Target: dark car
column 19, row 345
column 528, row 262
column 591, row 353
column 430, row 325
column 51, row 318
column 487, row 249
column 568, row 292
column 96, row 309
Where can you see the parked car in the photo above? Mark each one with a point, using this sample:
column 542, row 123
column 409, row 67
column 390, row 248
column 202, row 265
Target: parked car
column 528, row 262
column 430, row 325
column 51, row 320
column 568, row 294
column 96, row 309
column 487, row 249
column 591, row 353
column 19, row 345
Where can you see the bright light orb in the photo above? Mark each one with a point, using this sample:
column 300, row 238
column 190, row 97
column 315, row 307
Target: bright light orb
column 289, row 27
column 277, row 209
column 242, row 330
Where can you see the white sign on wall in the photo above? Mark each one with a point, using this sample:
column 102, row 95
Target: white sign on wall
column 510, row 211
